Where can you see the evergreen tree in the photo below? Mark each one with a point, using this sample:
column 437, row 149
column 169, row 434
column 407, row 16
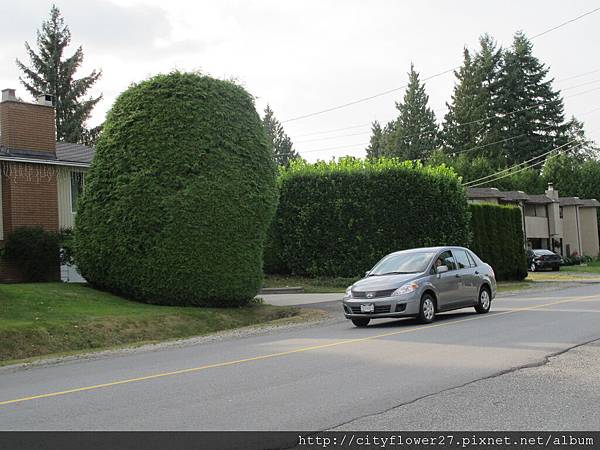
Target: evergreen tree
column 53, row 73
column 467, row 124
column 415, row 130
column 375, row 148
column 457, row 133
column 90, row 136
column 574, row 131
column 281, row 144
column 538, row 125
column 487, row 64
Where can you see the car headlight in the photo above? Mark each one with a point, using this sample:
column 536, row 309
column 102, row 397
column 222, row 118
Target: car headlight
column 406, row 289
column 348, row 293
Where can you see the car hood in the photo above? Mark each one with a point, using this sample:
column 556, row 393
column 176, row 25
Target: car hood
column 384, row 282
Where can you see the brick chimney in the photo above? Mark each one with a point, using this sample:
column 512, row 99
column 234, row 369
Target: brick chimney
column 27, row 128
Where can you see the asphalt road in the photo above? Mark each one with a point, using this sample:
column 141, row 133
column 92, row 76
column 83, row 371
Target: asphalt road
column 312, row 378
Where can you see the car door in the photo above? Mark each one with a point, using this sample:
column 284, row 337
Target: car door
column 448, row 283
column 469, row 282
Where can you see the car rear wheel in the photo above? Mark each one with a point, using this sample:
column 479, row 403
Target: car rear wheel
column 427, row 309
column 484, row 302
column 556, row 268
column 533, row 267
column 360, row 321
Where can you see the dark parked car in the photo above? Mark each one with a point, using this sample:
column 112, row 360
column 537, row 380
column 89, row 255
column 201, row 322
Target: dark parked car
column 543, row 259
column 420, row 283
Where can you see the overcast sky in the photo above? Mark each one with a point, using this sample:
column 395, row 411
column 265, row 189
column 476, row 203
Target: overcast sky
column 303, row 56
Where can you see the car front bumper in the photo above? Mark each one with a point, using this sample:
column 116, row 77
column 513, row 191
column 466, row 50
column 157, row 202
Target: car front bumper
column 384, row 307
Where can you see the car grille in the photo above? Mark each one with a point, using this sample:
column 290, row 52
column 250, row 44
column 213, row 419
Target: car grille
column 379, row 309
column 378, row 294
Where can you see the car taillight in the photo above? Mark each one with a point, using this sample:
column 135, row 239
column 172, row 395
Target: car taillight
column 493, row 274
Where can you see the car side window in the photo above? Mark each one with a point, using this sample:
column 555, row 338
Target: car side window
column 461, row 259
column 471, row 260
column 447, row 259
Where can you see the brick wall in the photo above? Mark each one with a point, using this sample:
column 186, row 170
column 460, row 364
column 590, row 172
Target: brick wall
column 27, row 126
column 29, row 198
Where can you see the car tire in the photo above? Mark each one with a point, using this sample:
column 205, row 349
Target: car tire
column 484, row 301
column 360, row 322
column 532, row 267
column 427, row 309
column 556, row 268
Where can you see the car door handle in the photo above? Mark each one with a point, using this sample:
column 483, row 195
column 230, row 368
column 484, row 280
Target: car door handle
column 476, row 272
column 457, row 276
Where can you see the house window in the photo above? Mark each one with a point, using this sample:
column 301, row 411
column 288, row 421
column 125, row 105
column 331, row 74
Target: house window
column 560, row 212
column 76, row 189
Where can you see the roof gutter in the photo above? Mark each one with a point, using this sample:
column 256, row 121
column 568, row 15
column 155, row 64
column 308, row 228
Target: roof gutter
column 53, row 162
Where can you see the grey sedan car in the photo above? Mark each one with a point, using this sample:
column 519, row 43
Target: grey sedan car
column 420, row 283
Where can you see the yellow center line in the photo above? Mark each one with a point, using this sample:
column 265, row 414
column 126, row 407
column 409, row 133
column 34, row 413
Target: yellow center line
column 288, row 352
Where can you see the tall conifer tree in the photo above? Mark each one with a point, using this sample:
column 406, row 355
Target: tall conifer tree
column 530, row 111
column 415, row 129
column 52, row 73
column 281, row 144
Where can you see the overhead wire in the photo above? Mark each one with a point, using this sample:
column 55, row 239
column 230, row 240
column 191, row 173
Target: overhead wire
column 389, row 91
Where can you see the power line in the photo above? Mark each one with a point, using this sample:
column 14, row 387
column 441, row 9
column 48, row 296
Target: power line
column 525, row 168
column 520, row 164
column 577, row 76
column 455, row 126
column 514, row 137
column 503, row 115
column 336, row 129
column 332, row 137
column 364, row 99
column 565, row 23
column 389, row 91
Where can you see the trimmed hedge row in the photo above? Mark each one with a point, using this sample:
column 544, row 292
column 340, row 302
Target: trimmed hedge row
column 179, row 196
column 339, row 218
column 498, row 239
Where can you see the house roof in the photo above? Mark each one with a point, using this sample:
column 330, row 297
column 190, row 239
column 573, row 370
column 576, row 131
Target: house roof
column 66, row 154
column 570, row 201
column 65, row 151
column 484, row 193
column 513, row 196
column 539, row 199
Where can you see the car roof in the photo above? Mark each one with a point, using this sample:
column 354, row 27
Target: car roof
column 429, row 249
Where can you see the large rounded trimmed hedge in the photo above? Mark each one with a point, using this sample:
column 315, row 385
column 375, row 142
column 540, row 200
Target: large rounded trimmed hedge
column 339, row 218
column 179, row 196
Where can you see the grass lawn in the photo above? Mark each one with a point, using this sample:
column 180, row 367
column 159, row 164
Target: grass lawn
column 592, row 267
column 46, row 318
column 333, row 285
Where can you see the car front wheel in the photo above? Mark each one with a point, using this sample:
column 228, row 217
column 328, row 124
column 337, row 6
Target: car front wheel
column 427, row 310
column 484, row 302
column 360, row 321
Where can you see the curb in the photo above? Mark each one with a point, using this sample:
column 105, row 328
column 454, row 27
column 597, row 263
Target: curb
column 282, row 290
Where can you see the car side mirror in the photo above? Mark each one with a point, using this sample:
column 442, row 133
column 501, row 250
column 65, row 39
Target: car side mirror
column 441, row 269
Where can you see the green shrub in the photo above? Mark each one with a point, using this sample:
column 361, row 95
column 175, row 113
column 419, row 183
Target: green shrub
column 34, row 251
column 339, row 218
column 179, row 196
column 498, row 239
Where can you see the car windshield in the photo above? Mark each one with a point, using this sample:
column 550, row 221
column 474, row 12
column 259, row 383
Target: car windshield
column 398, row 263
column 543, row 252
